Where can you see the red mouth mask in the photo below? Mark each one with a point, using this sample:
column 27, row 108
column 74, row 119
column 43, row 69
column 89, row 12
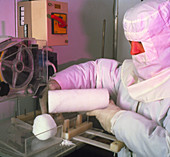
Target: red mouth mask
column 136, row 48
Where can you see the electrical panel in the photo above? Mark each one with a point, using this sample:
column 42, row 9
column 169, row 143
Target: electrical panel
column 43, row 20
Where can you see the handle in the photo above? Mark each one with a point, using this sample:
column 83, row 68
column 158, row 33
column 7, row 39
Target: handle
column 61, row 22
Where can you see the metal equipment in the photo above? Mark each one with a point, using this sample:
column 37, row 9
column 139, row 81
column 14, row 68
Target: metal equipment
column 71, row 128
column 24, row 67
column 33, row 21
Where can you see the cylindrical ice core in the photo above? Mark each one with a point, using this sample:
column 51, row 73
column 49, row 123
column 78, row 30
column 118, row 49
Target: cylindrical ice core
column 76, row 100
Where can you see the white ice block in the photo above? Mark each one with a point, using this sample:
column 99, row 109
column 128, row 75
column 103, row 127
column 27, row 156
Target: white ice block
column 76, row 100
column 44, row 127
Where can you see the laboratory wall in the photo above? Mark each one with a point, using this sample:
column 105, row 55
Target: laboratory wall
column 85, row 27
column 7, row 18
column 123, row 46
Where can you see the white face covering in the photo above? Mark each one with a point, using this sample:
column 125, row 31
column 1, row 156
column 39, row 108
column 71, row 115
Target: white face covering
column 149, row 23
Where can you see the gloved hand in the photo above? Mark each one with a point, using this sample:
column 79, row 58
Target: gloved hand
column 53, row 85
column 105, row 115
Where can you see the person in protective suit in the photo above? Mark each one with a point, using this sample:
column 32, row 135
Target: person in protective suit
column 139, row 114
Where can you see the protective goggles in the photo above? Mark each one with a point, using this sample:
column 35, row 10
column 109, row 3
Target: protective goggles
column 136, row 48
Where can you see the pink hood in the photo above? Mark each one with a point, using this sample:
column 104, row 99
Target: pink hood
column 149, row 23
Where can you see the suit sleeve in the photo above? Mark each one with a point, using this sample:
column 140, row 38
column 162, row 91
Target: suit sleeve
column 102, row 73
column 141, row 135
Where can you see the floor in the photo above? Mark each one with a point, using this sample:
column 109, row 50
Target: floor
column 90, row 151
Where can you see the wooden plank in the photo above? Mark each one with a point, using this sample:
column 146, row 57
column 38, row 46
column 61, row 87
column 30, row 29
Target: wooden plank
column 101, row 134
column 116, row 146
column 78, row 130
column 29, row 116
column 92, row 142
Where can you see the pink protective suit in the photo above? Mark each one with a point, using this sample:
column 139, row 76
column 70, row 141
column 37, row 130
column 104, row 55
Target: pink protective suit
column 139, row 86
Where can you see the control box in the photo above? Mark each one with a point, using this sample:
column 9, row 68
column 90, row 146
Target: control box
column 43, row 20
